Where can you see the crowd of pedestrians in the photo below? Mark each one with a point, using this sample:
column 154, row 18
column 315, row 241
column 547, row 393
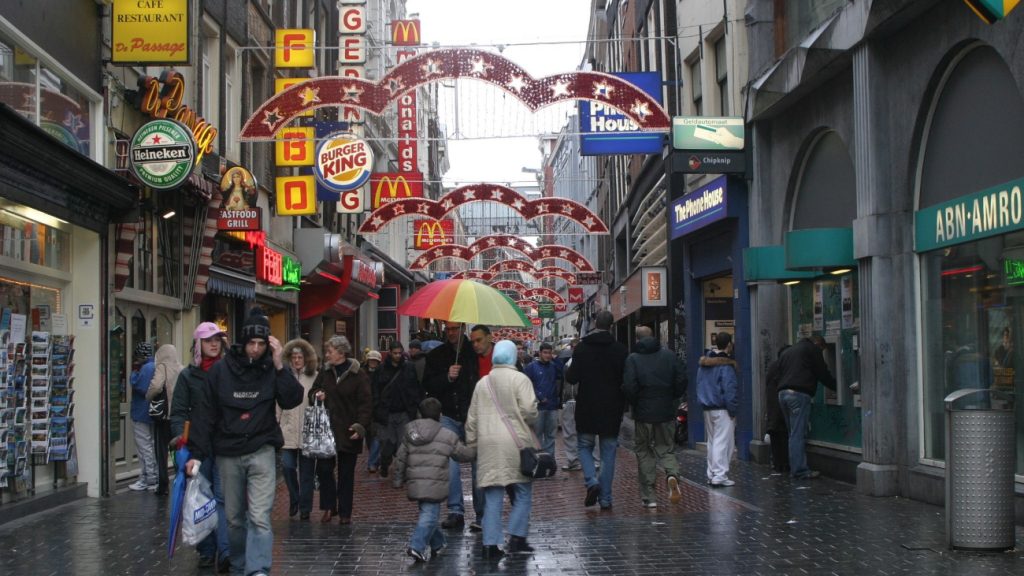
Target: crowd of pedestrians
column 421, row 415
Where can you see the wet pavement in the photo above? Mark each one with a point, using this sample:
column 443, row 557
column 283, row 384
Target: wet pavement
column 766, row 524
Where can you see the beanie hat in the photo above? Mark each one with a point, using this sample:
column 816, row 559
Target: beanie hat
column 143, row 351
column 415, row 344
column 256, row 325
column 202, row 332
column 504, row 353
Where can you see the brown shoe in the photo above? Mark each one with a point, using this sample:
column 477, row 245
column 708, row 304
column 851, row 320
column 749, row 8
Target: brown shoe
column 326, row 517
column 346, row 520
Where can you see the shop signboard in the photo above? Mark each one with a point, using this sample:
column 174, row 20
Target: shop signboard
column 536, row 321
column 707, row 133
column 703, row 206
column 708, row 162
column 606, row 130
column 575, row 295
column 238, row 209
column 588, row 278
column 164, row 97
column 405, row 32
column 430, row 233
column 992, row 11
column 991, row 212
column 294, row 48
column 352, row 48
column 654, row 293
column 296, row 195
column 343, row 165
column 388, row 187
column 162, row 154
column 291, row 273
column 150, row 32
column 546, row 310
column 269, row 264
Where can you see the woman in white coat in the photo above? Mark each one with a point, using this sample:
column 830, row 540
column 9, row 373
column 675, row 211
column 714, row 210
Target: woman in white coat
column 299, row 470
column 503, row 405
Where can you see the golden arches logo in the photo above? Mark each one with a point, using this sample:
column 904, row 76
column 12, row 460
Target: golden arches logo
column 405, row 32
column 430, row 233
column 394, row 184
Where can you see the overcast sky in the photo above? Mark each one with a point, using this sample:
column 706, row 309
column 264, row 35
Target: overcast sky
column 488, row 23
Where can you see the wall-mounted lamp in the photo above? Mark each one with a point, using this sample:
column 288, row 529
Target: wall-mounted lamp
column 169, row 214
column 791, row 283
column 840, row 271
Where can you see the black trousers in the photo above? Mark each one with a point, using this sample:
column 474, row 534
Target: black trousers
column 780, row 449
column 336, row 496
column 161, row 438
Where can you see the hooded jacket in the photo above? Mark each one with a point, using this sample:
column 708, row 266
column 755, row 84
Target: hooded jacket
column 454, row 396
column 291, row 420
column 239, row 415
column 422, row 461
column 395, row 389
column 140, row 380
column 654, row 381
column 349, row 403
column 165, row 374
column 802, row 366
column 717, row 385
column 598, row 364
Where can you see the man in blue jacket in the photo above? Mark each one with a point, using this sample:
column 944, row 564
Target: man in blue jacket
column 546, row 375
column 236, row 422
column 718, row 394
column 142, row 424
column 653, row 383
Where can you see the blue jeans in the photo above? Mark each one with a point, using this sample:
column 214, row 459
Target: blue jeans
column 373, row 457
column 298, row 477
column 609, row 444
column 456, row 501
column 217, row 542
column 249, row 484
column 518, row 517
column 796, row 409
column 427, row 529
column 545, row 428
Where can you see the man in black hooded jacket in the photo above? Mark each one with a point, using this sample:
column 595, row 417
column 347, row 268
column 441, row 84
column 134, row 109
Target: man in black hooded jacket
column 237, row 423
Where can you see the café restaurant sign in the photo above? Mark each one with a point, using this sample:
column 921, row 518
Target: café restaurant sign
column 991, row 212
column 149, row 31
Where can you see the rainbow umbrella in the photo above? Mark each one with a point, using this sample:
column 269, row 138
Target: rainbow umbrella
column 462, row 300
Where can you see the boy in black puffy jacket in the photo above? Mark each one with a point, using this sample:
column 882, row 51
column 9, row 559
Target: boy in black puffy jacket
column 422, row 463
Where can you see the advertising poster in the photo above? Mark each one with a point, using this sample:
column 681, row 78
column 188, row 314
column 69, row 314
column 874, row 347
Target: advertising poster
column 846, row 294
column 818, row 299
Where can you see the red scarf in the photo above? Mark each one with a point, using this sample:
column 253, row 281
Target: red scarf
column 206, row 363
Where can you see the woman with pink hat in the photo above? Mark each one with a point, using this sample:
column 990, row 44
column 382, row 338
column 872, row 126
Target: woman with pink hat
column 208, row 343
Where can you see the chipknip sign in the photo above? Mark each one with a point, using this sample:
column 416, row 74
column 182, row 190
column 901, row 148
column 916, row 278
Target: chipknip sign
column 606, row 130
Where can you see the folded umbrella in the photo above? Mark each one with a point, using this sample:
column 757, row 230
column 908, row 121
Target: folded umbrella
column 181, row 458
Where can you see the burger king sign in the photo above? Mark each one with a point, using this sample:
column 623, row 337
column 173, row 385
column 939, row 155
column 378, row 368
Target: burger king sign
column 343, row 162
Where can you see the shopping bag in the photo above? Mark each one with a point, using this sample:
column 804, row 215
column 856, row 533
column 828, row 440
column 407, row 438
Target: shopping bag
column 200, row 513
column 317, row 437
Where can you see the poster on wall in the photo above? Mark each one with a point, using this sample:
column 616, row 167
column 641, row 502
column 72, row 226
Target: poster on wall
column 819, row 299
column 846, row 294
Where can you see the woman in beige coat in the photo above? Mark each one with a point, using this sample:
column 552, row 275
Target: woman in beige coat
column 165, row 375
column 489, row 430
column 299, row 470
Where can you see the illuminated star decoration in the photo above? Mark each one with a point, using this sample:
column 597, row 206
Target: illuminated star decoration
column 602, row 90
column 560, row 88
column 272, row 118
column 352, row 93
column 640, row 109
column 431, row 68
column 310, row 96
column 395, row 86
column 516, row 83
column 480, row 67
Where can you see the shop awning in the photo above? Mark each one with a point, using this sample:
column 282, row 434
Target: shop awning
column 231, row 285
column 338, row 278
column 821, row 249
column 768, row 264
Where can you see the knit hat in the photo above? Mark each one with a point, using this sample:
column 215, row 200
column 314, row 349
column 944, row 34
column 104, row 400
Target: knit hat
column 143, row 352
column 415, row 344
column 202, row 332
column 256, row 325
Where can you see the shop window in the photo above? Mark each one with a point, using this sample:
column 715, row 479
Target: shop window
column 722, row 77
column 30, row 236
column 696, row 91
column 973, row 313
column 387, row 316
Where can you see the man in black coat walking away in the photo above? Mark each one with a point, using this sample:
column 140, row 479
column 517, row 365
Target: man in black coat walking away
column 800, row 369
column 654, row 382
column 396, row 395
column 598, row 363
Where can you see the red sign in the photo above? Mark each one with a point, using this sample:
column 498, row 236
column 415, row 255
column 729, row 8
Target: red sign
column 407, row 133
column 430, row 233
column 390, row 186
column 240, row 220
column 405, row 32
column 536, row 321
column 575, row 295
column 269, row 264
column 561, row 307
column 588, row 278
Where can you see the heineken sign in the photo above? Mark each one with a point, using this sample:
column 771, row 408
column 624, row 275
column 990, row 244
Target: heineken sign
column 991, row 212
column 163, row 154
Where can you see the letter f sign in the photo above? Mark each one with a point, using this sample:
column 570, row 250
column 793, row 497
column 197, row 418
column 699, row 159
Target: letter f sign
column 293, row 48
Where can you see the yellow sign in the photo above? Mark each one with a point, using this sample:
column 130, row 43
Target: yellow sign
column 282, row 84
column 150, row 32
column 296, row 195
column 295, row 147
column 293, row 48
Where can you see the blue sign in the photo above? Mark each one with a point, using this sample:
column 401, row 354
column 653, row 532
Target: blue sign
column 699, row 208
column 607, row 131
column 443, row 275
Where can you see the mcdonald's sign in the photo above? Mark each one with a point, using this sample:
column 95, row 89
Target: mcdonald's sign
column 405, row 32
column 390, row 186
column 430, row 233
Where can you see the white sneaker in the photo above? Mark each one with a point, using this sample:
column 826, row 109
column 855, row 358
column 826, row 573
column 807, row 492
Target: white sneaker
column 723, row 483
column 648, row 503
column 151, row 487
column 138, row 486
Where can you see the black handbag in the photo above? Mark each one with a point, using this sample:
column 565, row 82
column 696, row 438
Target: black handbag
column 158, row 407
column 533, row 462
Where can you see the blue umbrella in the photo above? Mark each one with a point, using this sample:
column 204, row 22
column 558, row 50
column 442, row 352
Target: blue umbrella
column 430, row 345
column 181, row 457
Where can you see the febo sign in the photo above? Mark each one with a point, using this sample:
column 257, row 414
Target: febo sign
column 699, row 208
column 606, row 130
column 269, row 265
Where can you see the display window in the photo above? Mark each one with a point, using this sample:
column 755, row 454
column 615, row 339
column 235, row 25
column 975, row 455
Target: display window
column 973, row 314
column 827, row 306
column 32, row 237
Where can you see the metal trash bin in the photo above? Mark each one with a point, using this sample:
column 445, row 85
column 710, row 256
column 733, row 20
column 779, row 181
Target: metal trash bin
column 980, row 462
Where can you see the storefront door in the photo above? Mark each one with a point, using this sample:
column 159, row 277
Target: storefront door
column 133, row 323
column 717, row 307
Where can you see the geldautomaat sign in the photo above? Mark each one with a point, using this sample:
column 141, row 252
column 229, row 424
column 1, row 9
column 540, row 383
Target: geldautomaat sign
column 991, row 212
column 699, row 208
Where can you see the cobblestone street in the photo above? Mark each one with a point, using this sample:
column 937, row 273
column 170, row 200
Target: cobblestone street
column 766, row 524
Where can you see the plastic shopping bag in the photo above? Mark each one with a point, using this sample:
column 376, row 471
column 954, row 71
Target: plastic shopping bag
column 199, row 516
column 317, row 437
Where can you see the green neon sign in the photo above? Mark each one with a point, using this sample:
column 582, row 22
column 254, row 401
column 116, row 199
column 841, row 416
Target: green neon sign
column 291, row 273
column 1013, row 269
